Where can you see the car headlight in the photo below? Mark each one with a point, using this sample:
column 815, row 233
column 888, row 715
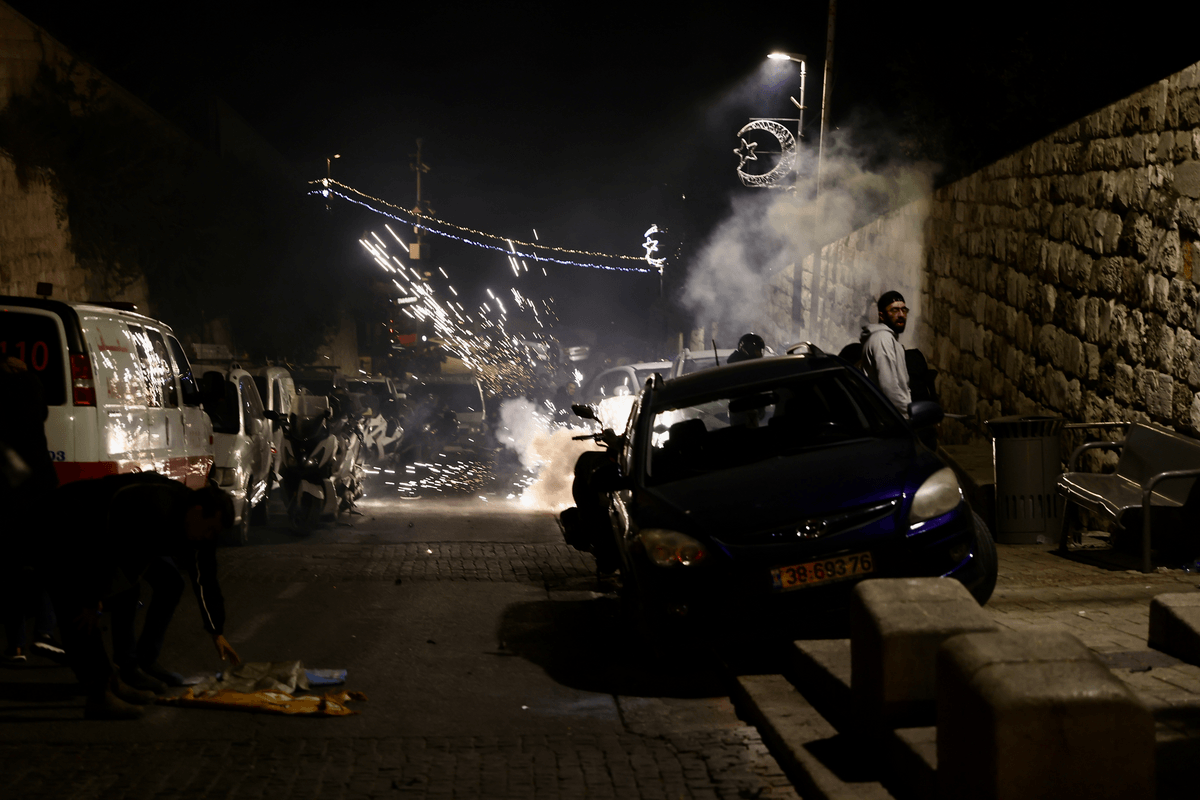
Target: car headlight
column 671, row 548
column 939, row 494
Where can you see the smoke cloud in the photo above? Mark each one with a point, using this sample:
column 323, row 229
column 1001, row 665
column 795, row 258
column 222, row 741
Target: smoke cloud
column 545, row 449
column 774, row 237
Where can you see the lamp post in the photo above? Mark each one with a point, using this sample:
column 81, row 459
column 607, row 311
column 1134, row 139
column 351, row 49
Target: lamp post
column 329, row 165
column 802, row 61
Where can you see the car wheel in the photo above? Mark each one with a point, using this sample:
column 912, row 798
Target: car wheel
column 988, row 562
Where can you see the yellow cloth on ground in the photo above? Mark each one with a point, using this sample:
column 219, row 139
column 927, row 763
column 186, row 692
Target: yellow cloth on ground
column 332, row 704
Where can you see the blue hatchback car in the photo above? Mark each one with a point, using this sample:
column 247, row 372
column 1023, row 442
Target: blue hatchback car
column 781, row 482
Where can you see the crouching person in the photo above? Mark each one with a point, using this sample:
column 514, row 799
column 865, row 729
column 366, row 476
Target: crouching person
column 113, row 534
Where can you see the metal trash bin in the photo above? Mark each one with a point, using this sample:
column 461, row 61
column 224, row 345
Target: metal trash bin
column 1027, row 459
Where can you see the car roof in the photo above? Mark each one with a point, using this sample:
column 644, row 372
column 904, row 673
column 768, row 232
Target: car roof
column 742, row 374
column 643, row 365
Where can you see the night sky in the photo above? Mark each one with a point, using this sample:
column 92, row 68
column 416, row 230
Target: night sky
column 590, row 122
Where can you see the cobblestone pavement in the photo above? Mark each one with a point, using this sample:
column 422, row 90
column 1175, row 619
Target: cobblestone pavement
column 1104, row 600
column 731, row 763
column 466, row 561
column 653, row 758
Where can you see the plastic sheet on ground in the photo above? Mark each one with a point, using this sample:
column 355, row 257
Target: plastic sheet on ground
column 269, row 687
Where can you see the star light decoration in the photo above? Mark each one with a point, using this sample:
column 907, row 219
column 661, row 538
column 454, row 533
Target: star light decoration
column 745, row 152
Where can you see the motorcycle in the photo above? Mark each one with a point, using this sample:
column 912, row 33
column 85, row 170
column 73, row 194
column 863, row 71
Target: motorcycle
column 382, row 438
column 585, row 525
column 321, row 473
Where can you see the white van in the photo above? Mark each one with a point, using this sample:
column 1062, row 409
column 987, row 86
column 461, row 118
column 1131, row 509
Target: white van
column 242, row 442
column 278, row 393
column 120, row 390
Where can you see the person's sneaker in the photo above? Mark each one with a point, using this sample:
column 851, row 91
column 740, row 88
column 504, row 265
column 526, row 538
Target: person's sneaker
column 46, row 645
column 138, row 680
column 159, row 672
column 110, row 707
column 14, row 655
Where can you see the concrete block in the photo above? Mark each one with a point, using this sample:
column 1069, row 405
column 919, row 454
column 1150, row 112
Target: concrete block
column 896, row 626
column 1032, row 715
column 1175, row 625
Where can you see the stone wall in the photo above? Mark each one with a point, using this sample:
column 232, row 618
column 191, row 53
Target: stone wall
column 35, row 237
column 1061, row 279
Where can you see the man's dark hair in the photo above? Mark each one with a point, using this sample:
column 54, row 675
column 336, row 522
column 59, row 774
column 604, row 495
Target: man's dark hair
column 212, row 501
column 887, row 298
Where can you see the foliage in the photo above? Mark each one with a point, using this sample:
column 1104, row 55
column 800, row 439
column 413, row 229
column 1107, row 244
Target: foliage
column 213, row 237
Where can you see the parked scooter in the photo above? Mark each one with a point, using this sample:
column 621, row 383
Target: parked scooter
column 382, row 435
column 321, row 472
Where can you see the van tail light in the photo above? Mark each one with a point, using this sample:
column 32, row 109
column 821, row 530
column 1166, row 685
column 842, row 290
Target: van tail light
column 82, row 386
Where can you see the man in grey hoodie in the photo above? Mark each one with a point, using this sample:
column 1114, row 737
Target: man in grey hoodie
column 883, row 355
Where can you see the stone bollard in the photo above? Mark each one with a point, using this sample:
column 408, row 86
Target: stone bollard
column 1175, row 625
column 1031, row 715
column 896, row 626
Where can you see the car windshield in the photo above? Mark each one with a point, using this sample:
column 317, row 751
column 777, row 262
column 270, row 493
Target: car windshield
column 744, row 425
column 704, row 359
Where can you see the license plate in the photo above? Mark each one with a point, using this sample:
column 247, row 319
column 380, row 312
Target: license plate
column 825, row 570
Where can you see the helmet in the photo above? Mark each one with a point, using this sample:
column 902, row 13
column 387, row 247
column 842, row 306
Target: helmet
column 751, row 345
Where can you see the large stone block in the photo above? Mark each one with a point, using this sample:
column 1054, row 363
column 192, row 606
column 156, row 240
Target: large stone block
column 1175, row 617
column 1037, row 715
column 896, row 626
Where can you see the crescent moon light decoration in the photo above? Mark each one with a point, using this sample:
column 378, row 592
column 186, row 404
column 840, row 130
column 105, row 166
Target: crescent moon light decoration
column 745, row 152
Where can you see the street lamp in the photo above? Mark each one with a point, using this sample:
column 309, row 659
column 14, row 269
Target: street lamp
column 801, row 60
column 328, row 165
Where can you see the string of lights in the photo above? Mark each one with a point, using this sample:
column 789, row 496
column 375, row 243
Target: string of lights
column 425, row 223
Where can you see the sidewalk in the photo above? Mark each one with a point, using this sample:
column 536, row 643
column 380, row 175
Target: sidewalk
column 1094, row 593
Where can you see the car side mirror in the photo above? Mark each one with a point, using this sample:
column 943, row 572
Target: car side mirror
column 584, row 411
column 925, row 414
column 274, row 416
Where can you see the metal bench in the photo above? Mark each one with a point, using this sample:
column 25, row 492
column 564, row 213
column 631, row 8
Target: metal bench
column 1150, row 456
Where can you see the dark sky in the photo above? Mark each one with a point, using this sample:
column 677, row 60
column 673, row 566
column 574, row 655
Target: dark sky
column 590, row 121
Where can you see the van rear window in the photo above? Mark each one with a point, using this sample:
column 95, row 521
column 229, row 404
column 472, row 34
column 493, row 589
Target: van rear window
column 34, row 339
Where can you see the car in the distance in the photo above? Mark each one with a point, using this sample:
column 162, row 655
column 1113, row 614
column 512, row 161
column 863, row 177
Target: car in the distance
column 242, row 440
column 776, row 484
column 689, row 361
column 613, row 389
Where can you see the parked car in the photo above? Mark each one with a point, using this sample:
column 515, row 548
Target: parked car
column 375, row 389
column 277, row 391
column 689, row 361
column 614, row 389
column 777, row 484
column 120, row 390
column 461, row 394
column 242, row 439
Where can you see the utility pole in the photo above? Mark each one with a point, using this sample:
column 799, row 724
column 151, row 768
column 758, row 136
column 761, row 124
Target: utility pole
column 825, row 90
column 422, row 207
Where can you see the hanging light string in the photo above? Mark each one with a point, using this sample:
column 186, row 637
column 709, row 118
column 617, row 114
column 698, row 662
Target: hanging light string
column 409, row 217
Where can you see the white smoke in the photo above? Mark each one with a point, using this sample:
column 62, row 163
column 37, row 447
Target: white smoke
column 521, row 422
column 770, row 230
column 545, row 449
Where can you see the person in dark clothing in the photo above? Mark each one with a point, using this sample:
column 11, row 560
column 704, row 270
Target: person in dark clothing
column 751, row 345
column 27, row 481
column 148, row 527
